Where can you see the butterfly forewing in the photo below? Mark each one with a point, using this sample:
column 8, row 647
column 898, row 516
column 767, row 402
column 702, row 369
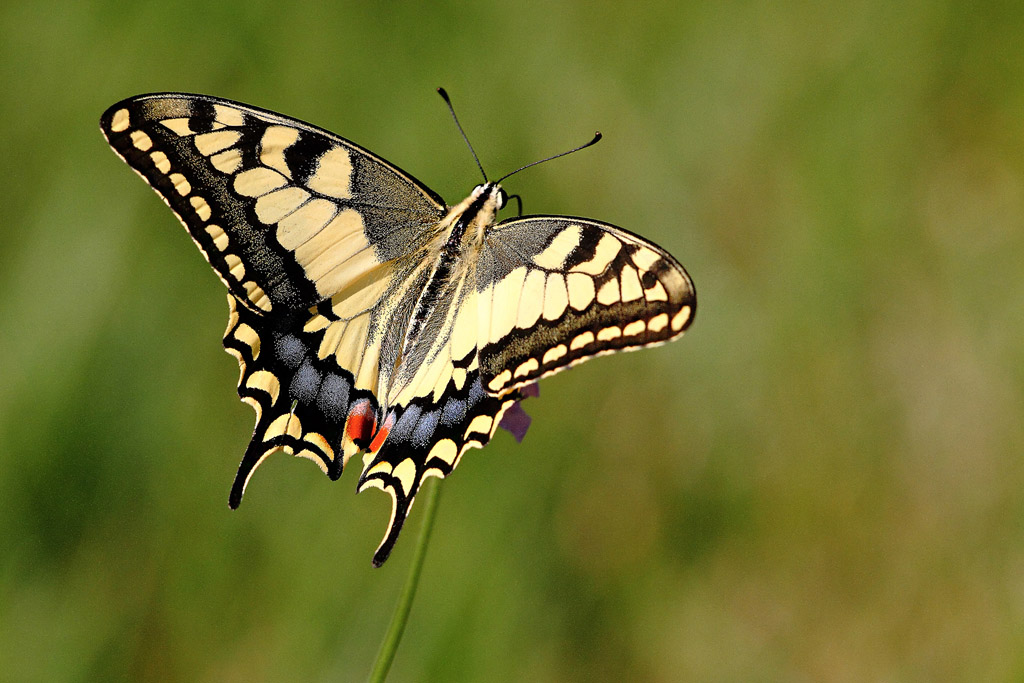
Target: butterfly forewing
column 560, row 290
column 286, row 213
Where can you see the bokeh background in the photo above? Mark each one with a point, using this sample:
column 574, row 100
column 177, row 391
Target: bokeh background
column 823, row 481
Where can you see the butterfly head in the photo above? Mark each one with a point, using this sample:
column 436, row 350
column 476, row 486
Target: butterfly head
column 495, row 195
column 471, row 218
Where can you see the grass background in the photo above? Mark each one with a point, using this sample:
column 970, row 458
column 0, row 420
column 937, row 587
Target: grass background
column 821, row 482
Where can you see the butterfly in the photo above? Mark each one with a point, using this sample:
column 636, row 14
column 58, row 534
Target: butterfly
column 370, row 318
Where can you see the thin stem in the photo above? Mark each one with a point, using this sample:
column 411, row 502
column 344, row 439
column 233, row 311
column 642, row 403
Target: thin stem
column 401, row 616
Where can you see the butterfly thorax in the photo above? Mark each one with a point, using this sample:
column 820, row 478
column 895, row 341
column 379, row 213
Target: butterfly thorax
column 467, row 223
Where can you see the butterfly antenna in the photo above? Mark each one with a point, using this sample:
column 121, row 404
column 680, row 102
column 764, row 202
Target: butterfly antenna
column 448, row 101
column 597, row 137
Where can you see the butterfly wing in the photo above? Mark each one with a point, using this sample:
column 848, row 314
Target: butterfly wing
column 287, row 214
column 555, row 291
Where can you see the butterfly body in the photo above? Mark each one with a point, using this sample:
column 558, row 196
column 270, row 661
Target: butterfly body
column 367, row 316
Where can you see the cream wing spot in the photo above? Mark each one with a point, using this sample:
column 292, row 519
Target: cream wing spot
column 581, row 340
column 227, row 162
column 656, row 292
column 248, row 336
column 374, row 483
column 634, row 328
column 316, row 323
column 609, row 292
column 318, row 440
column 276, row 139
column 607, row 249
column 264, row 380
column 500, row 380
column 658, row 322
column 273, row 206
column 178, row 126
column 383, row 467
column 141, row 141
column 120, row 121
column 527, row 367
column 256, row 182
column 581, row 290
column 680, row 318
column 644, row 258
column 554, row 255
column 333, row 176
column 201, row 207
column 302, row 225
column 229, row 116
column 160, row 160
column 405, row 473
column 629, row 281
column 556, row 296
column 257, row 296
column 554, row 353
column 181, row 184
column 209, row 144
column 609, row 333
column 235, row 266
column 220, row 238
column 445, row 450
column 481, row 424
column 531, row 302
column 287, row 423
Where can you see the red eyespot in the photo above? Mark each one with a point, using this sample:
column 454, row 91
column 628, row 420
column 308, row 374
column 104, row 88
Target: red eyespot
column 382, row 434
column 361, row 423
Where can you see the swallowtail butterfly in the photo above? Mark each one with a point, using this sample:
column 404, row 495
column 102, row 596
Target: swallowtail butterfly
column 370, row 318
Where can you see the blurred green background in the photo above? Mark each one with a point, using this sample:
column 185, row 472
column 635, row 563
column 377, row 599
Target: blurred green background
column 821, row 482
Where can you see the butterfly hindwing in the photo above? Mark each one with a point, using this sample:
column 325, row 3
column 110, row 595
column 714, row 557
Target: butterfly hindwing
column 306, row 405
column 559, row 290
column 426, row 438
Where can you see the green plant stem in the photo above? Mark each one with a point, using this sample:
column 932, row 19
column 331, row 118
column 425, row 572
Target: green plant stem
column 401, row 616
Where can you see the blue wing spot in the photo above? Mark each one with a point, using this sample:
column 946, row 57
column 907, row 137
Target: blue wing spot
column 290, row 350
column 476, row 392
column 405, row 425
column 423, row 434
column 305, row 383
column 454, row 412
column 333, row 397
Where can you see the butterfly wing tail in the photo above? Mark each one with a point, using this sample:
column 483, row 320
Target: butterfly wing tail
column 424, row 439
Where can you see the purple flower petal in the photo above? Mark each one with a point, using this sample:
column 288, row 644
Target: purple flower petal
column 530, row 390
column 516, row 421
